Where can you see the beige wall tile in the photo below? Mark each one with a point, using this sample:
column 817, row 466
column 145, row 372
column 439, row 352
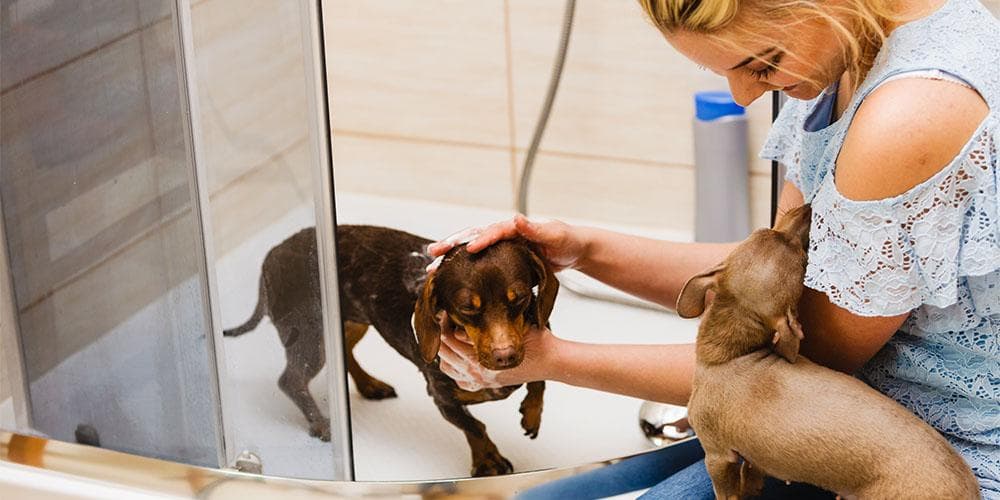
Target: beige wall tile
column 624, row 193
column 251, row 84
column 429, row 69
column 261, row 197
column 993, row 5
column 615, row 192
column 73, row 315
column 39, row 36
column 625, row 93
column 65, row 134
column 445, row 173
column 760, row 200
column 11, row 378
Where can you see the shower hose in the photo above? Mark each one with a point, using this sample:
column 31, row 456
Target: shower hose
column 570, row 281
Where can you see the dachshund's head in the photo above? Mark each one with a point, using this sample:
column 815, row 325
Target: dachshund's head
column 762, row 279
column 494, row 295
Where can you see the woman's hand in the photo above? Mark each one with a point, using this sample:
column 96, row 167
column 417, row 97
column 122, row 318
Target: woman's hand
column 459, row 361
column 560, row 244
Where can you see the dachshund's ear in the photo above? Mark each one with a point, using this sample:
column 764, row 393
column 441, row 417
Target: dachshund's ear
column 425, row 322
column 548, row 288
column 787, row 335
column 691, row 302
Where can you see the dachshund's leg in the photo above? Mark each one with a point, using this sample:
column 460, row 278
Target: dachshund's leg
column 725, row 474
column 304, row 358
column 369, row 386
column 531, row 409
column 486, row 458
column 751, row 480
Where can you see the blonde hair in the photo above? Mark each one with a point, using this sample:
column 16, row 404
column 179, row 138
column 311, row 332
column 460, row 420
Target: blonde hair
column 860, row 23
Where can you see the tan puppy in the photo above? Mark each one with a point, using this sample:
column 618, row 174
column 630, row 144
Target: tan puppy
column 760, row 409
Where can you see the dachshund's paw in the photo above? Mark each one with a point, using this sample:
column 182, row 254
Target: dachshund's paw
column 320, row 429
column 531, row 421
column 751, row 480
column 494, row 464
column 376, row 389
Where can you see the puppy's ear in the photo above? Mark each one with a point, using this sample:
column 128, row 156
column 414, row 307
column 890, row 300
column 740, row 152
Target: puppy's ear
column 691, row 302
column 548, row 288
column 787, row 335
column 426, row 324
column 796, row 223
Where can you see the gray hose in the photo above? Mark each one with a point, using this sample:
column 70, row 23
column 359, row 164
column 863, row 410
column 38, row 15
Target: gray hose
column 568, row 280
column 550, row 97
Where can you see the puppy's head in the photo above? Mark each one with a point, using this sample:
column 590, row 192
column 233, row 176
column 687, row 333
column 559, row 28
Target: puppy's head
column 763, row 276
column 494, row 295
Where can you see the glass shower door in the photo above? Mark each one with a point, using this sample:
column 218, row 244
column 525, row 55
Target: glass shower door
column 103, row 229
column 153, row 151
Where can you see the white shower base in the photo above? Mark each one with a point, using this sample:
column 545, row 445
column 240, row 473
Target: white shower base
column 406, row 438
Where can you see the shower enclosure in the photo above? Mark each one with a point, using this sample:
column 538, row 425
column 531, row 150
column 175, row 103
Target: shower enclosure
column 154, row 151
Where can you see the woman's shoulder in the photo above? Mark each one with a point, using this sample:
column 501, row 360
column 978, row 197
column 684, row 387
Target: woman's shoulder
column 911, row 205
column 905, row 132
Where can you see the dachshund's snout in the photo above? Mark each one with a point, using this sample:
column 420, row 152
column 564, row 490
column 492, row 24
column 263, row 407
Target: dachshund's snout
column 505, row 357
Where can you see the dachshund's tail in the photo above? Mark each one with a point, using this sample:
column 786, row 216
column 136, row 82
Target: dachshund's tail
column 258, row 314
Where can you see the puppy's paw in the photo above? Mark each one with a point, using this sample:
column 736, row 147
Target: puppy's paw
column 376, row 389
column 493, row 464
column 751, row 480
column 320, row 429
column 531, row 421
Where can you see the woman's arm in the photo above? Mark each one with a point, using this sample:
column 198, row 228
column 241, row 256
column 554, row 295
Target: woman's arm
column 655, row 372
column 652, row 269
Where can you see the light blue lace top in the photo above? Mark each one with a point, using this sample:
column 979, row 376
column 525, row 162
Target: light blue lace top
column 933, row 251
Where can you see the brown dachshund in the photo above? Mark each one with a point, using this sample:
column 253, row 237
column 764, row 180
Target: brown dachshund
column 760, row 409
column 382, row 284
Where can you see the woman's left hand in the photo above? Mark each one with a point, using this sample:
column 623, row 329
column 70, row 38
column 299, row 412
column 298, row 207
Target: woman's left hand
column 459, row 361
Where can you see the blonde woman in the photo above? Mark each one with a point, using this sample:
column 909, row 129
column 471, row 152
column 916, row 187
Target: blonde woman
column 893, row 135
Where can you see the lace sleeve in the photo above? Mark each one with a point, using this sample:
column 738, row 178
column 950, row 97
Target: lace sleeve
column 889, row 256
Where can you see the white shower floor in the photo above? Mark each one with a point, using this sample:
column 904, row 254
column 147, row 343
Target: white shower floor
column 406, row 438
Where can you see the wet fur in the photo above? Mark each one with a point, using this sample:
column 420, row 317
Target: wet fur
column 761, row 409
column 382, row 274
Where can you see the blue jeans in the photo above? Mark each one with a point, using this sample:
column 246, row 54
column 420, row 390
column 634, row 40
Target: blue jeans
column 631, row 474
column 671, row 473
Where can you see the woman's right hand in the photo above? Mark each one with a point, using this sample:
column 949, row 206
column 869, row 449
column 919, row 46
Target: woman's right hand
column 560, row 243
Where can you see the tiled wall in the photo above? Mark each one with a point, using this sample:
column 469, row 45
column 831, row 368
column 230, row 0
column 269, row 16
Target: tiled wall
column 251, row 87
column 438, row 100
column 91, row 141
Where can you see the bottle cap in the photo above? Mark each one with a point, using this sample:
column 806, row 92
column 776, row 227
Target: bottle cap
column 710, row 105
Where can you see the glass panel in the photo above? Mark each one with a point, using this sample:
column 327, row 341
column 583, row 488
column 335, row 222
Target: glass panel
column 105, row 247
column 262, row 171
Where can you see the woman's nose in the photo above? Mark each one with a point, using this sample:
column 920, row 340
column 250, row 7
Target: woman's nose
column 746, row 89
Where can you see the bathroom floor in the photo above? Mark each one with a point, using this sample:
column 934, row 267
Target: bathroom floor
column 406, row 438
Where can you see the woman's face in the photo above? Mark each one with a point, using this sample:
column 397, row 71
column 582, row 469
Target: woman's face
column 743, row 59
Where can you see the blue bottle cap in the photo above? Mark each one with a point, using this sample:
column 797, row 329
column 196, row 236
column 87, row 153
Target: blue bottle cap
column 713, row 104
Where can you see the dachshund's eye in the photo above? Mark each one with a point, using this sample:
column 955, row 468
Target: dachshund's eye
column 468, row 310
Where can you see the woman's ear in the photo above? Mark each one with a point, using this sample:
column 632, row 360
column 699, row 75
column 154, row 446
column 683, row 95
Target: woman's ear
column 425, row 322
column 691, row 302
column 548, row 288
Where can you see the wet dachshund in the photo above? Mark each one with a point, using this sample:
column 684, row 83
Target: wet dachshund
column 494, row 295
